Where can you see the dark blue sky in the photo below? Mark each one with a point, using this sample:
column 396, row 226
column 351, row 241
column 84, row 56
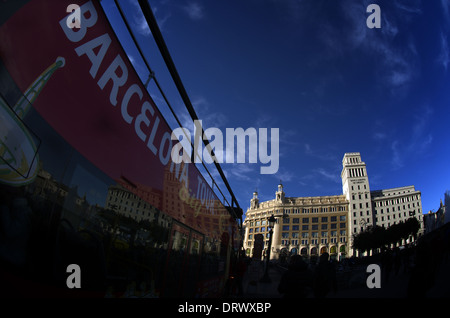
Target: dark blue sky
column 313, row 69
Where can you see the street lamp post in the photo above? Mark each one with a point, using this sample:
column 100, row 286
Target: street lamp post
column 266, row 278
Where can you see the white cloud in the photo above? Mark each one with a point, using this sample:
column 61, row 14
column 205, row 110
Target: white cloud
column 194, row 10
column 332, row 176
column 284, row 176
column 203, row 109
column 397, row 160
column 398, row 64
column 397, row 60
column 410, row 8
column 389, row 28
column 308, row 150
column 444, row 56
column 399, row 78
column 379, row 136
column 418, row 142
column 240, row 171
column 445, row 9
column 325, row 156
column 139, row 20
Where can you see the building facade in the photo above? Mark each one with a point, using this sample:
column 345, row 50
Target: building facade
column 434, row 220
column 310, row 226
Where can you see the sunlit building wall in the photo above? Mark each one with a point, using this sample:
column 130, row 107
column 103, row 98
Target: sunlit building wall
column 314, row 225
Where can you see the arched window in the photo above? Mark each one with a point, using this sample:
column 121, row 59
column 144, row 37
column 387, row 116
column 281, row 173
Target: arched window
column 333, row 250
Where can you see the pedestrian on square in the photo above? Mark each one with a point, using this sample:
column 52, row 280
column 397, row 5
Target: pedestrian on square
column 297, row 280
column 324, row 277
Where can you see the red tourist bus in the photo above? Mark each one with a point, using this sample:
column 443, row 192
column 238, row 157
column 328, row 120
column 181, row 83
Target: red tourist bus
column 86, row 175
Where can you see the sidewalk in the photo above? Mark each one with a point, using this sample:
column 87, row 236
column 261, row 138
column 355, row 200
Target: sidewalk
column 395, row 287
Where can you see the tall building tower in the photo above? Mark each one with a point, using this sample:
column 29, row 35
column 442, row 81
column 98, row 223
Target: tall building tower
column 355, row 187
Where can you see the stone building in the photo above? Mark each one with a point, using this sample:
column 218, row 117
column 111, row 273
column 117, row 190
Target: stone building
column 310, row 226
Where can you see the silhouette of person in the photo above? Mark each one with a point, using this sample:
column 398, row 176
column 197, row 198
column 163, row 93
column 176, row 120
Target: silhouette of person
column 324, row 277
column 297, row 280
column 240, row 272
